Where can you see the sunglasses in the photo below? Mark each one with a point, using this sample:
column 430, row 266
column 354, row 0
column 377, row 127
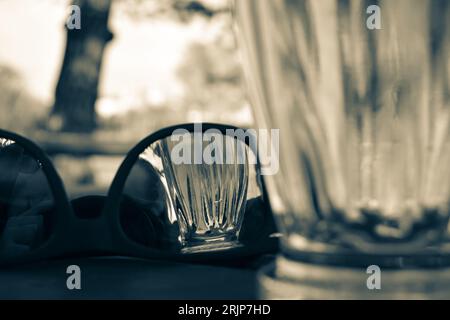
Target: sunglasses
column 190, row 192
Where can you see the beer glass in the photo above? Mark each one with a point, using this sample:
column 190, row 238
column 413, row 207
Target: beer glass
column 360, row 92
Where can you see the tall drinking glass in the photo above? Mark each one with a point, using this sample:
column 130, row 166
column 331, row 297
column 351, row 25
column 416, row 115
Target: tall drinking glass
column 360, row 92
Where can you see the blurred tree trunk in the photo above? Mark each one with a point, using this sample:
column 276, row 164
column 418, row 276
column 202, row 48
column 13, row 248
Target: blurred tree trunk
column 77, row 88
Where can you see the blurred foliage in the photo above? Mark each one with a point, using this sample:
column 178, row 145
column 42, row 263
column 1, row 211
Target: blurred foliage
column 210, row 72
column 19, row 111
column 182, row 10
column 139, row 122
column 212, row 78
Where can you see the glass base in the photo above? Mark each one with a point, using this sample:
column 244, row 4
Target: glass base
column 289, row 279
column 211, row 244
column 298, row 248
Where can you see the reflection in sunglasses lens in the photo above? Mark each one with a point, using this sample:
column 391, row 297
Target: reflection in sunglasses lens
column 26, row 201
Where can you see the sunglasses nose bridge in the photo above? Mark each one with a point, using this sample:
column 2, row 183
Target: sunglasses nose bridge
column 90, row 235
column 89, row 222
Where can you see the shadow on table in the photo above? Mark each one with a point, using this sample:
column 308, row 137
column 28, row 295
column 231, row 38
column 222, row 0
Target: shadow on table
column 127, row 278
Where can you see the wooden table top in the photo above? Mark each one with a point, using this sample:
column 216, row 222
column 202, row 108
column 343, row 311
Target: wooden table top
column 127, row 278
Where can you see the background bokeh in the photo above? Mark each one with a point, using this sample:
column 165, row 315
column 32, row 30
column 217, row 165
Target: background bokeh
column 168, row 62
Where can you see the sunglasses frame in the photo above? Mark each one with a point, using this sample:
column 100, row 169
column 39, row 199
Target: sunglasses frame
column 103, row 234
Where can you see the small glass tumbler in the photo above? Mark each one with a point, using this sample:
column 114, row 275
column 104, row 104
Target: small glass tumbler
column 210, row 196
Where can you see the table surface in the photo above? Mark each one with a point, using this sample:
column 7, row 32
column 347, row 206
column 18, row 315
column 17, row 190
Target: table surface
column 127, row 278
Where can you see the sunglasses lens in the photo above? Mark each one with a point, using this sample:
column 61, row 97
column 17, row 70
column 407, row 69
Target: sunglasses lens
column 189, row 193
column 26, row 201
